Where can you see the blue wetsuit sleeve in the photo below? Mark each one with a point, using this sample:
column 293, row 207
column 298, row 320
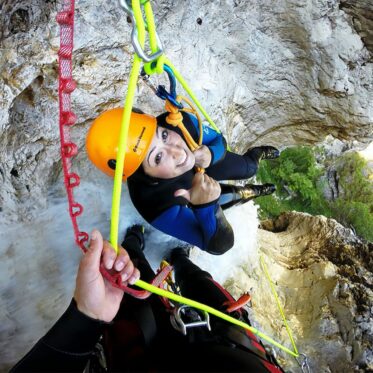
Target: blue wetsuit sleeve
column 213, row 140
column 203, row 226
column 195, row 226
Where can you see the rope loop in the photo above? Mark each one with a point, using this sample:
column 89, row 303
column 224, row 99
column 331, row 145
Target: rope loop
column 68, row 118
column 83, row 238
column 155, row 67
column 160, row 64
column 69, row 150
column 73, row 180
column 76, row 209
column 174, row 117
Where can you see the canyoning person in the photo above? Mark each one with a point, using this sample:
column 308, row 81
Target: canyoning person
column 102, row 331
column 162, row 179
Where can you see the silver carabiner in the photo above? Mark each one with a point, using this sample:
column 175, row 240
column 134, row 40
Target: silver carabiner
column 126, row 6
column 134, row 35
column 178, row 323
column 304, row 365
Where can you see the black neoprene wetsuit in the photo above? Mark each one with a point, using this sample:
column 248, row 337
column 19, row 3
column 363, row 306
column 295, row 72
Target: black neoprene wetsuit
column 141, row 337
column 205, row 225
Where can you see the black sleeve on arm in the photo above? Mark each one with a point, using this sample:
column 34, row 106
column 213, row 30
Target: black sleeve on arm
column 66, row 347
column 223, row 239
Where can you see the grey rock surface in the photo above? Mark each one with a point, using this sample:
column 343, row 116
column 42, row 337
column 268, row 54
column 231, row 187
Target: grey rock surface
column 269, row 72
column 284, row 72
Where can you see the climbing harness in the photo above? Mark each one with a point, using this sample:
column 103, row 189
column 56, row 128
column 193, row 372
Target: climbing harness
column 180, row 324
column 155, row 62
column 212, row 311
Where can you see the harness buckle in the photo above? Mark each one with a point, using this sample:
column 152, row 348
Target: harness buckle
column 125, row 5
column 179, row 324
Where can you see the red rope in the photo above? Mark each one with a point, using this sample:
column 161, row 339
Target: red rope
column 67, row 118
column 116, row 281
column 65, row 18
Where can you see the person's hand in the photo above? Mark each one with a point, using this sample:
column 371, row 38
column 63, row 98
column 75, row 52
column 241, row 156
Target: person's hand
column 95, row 296
column 204, row 190
column 202, row 156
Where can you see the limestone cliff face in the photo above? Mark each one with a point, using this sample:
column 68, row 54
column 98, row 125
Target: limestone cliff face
column 362, row 19
column 323, row 274
column 281, row 72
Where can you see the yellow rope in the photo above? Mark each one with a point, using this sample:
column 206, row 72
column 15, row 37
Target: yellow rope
column 123, row 137
column 265, row 269
column 151, row 27
column 191, row 94
column 178, row 298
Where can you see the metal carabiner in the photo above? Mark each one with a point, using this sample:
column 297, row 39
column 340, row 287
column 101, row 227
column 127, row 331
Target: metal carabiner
column 178, row 323
column 172, row 79
column 171, row 96
column 134, row 35
column 304, row 365
column 127, row 7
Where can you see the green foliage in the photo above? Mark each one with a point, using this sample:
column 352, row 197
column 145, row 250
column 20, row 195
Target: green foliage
column 297, row 177
column 355, row 205
column 270, row 207
column 355, row 214
column 352, row 179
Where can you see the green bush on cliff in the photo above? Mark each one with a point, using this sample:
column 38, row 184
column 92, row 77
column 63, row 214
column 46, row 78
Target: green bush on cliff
column 354, row 207
column 297, row 176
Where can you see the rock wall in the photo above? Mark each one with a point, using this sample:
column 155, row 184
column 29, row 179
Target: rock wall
column 284, row 72
column 361, row 13
column 280, row 72
column 323, row 275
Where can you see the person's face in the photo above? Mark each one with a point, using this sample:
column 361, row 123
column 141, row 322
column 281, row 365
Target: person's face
column 168, row 155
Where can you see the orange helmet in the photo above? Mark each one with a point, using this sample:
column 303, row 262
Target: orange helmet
column 103, row 136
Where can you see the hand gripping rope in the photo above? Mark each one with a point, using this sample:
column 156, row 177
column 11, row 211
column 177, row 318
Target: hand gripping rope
column 154, row 64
